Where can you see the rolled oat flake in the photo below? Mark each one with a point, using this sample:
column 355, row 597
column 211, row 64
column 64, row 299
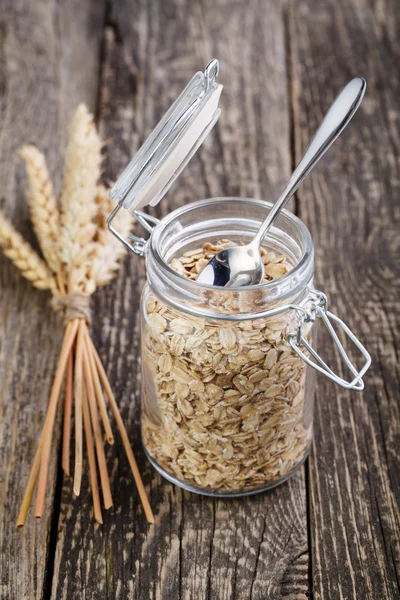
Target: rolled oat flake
column 227, row 374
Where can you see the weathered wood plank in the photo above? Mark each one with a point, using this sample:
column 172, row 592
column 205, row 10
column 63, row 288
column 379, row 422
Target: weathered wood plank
column 351, row 207
column 199, row 548
column 49, row 62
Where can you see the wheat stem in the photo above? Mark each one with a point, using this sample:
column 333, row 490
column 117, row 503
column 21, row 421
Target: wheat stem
column 91, row 396
column 124, row 436
column 100, row 396
column 69, row 336
column 91, row 459
column 67, row 416
column 30, row 487
column 78, row 391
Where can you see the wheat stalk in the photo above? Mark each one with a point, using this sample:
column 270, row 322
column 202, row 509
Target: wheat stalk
column 43, row 205
column 78, row 206
column 24, row 257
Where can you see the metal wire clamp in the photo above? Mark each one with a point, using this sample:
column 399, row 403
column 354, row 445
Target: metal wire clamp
column 319, row 310
column 139, row 245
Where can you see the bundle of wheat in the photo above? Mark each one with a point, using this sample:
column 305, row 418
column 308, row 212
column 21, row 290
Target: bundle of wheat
column 79, row 254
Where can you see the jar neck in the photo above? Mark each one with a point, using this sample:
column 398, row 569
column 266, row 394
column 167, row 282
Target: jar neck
column 236, row 219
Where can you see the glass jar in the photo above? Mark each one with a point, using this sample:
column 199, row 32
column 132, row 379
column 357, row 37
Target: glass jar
column 227, row 404
column 228, row 374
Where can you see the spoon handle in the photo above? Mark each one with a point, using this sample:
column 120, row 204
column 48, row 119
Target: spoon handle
column 335, row 120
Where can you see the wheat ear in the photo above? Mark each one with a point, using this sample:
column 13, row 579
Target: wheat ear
column 42, row 204
column 109, row 250
column 24, row 257
column 78, row 206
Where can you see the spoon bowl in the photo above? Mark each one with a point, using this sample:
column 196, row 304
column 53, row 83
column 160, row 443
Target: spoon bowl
column 233, row 267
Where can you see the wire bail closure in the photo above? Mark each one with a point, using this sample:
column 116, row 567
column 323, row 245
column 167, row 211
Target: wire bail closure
column 319, row 310
column 139, row 245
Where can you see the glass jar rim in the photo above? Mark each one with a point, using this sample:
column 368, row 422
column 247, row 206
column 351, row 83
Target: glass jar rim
column 193, row 205
column 162, row 278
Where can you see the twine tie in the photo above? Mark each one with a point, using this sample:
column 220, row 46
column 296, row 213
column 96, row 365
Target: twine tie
column 75, row 305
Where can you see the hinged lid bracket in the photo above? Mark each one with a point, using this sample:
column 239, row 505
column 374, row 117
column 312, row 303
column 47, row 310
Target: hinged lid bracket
column 139, row 245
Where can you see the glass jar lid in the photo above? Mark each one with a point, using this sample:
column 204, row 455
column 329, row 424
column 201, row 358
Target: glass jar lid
column 172, row 144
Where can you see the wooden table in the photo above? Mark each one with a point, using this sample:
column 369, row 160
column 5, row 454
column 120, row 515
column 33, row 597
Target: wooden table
column 332, row 531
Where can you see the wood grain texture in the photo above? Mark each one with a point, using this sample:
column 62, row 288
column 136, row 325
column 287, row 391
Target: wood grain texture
column 282, row 63
column 41, row 46
column 351, row 207
column 199, row 548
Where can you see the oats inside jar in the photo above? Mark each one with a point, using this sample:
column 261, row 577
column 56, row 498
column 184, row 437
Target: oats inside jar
column 223, row 401
column 191, row 263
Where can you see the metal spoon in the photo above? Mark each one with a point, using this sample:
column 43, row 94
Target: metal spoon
column 242, row 265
